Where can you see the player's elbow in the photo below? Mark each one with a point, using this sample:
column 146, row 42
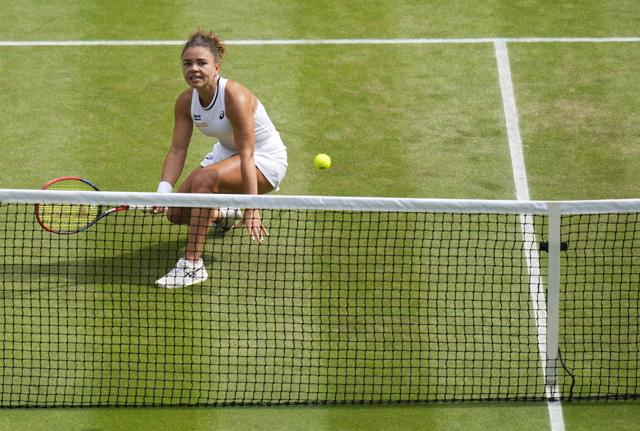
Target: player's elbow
column 177, row 155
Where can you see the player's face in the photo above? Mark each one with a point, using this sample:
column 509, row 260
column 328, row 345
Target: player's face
column 199, row 67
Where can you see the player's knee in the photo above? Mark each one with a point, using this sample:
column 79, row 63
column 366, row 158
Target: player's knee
column 175, row 215
column 206, row 181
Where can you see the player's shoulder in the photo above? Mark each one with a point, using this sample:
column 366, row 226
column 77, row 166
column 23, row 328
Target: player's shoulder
column 237, row 93
column 185, row 97
column 183, row 101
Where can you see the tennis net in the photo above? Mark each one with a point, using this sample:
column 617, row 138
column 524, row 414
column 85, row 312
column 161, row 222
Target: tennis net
column 349, row 300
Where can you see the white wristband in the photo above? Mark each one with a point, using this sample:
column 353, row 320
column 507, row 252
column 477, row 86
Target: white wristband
column 165, row 187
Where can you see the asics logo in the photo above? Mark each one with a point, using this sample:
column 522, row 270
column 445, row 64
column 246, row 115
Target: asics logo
column 191, row 272
column 221, row 115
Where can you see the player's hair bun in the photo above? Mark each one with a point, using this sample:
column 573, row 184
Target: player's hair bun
column 206, row 39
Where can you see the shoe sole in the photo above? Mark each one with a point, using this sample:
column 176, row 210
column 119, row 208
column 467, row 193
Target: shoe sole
column 177, row 286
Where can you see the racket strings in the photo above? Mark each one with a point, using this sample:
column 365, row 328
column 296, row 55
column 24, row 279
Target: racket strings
column 68, row 217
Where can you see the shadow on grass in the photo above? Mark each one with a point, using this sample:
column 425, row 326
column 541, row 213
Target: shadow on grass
column 132, row 267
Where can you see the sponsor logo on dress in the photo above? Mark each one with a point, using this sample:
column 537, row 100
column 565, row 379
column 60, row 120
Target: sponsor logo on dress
column 221, row 115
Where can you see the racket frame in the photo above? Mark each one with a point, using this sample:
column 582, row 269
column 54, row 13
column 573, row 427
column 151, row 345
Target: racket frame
column 100, row 216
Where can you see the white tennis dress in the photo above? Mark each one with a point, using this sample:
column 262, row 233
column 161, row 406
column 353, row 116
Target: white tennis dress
column 270, row 154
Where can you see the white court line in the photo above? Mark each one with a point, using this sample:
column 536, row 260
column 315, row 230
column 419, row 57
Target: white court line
column 538, row 302
column 392, row 41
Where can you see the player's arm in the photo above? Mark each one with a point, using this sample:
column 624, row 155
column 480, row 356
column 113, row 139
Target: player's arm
column 182, row 131
column 240, row 106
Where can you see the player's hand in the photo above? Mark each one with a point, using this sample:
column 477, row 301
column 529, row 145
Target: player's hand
column 251, row 219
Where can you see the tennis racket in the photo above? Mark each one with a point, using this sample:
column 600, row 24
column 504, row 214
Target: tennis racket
column 67, row 219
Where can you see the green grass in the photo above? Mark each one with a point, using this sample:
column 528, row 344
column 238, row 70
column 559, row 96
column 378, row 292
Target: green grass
column 404, row 120
column 76, row 110
column 168, row 19
column 594, row 416
column 432, row 417
column 578, row 106
column 371, row 124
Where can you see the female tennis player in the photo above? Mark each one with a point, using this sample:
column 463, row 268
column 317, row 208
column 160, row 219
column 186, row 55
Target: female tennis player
column 249, row 156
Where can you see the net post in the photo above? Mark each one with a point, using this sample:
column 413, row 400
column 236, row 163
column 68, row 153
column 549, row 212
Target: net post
column 553, row 297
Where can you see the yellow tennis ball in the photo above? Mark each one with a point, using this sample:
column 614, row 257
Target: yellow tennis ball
column 322, row 161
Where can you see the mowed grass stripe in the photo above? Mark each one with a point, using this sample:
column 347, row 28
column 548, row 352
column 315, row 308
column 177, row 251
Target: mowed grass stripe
column 578, row 109
column 98, row 112
column 290, row 19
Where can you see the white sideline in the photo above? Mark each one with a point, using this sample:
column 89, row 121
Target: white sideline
column 364, row 41
column 530, row 246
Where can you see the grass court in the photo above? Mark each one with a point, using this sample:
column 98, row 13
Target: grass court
column 401, row 117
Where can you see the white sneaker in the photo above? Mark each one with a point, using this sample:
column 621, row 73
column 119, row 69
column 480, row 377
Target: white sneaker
column 228, row 218
column 184, row 274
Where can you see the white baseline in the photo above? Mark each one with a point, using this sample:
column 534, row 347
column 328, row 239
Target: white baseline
column 391, row 41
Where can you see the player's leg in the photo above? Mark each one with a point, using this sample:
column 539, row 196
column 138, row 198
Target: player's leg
column 181, row 215
column 221, row 177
